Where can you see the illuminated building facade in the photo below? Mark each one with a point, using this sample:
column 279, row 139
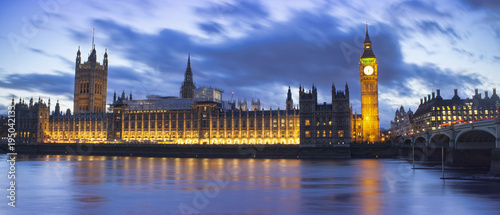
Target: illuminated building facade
column 91, row 81
column 368, row 76
column 204, row 121
column 357, row 127
column 435, row 112
column 199, row 116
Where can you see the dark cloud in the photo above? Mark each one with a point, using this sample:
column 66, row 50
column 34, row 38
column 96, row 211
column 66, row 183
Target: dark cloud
column 419, row 45
column 44, row 53
column 431, row 27
column 308, row 48
column 464, row 52
column 240, row 15
column 59, row 83
column 78, row 35
column 119, row 73
column 211, row 28
column 242, row 9
column 491, row 4
column 162, row 49
column 423, row 9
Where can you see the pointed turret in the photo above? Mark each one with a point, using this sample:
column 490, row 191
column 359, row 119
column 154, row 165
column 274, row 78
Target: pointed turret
column 289, row 94
column 78, row 57
column 438, row 94
column 187, row 89
column 289, row 100
column 93, row 53
column 57, row 109
column 367, row 46
column 130, row 95
column 105, row 61
column 346, row 90
column 114, row 97
column 494, row 95
column 455, row 95
column 367, row 37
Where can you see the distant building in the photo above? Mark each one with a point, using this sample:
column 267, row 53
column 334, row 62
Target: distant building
column 242, row 105
column 435, row 112
column 402, row 124
column 255, row 104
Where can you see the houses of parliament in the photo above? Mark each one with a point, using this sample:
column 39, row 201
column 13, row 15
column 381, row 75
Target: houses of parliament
column 199, row 115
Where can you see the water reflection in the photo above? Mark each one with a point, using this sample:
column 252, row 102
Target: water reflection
column 370, row 186
column 97, row 184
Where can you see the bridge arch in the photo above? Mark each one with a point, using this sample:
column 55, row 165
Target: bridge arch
column 440, row 140
column 473, row 147
column 476, row 135
column 420, row 141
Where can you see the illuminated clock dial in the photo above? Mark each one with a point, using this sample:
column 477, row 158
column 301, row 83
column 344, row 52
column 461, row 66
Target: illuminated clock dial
column 368, row 70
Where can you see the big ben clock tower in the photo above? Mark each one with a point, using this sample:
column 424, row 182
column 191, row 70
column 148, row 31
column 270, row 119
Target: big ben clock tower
column 368, row 76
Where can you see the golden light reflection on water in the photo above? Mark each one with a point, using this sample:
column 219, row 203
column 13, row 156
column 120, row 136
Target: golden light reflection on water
column 369, row 176
column 163, row 167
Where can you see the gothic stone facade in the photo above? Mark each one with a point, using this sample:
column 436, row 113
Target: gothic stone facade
column 325, row 124
column 91, row 81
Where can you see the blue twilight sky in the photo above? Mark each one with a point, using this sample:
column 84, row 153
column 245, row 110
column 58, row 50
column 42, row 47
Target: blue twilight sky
column 255, row 49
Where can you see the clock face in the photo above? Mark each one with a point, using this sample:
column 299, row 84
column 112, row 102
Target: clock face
column 368, row 70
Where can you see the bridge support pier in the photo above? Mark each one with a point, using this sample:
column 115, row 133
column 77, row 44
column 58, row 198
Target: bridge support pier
column 449, row 157
column 495, row 154
column 495, row 162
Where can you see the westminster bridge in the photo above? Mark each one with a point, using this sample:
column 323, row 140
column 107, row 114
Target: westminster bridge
column 467, row 144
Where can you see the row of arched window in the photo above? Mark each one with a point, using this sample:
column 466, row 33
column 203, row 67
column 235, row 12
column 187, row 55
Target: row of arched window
column 85, row 87
column 85, row 107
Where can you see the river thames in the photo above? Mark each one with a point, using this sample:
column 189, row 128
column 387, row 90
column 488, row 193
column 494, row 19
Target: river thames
column 66, row 184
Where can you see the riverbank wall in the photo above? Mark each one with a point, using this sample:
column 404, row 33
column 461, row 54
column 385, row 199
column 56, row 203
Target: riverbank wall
column 191, row 151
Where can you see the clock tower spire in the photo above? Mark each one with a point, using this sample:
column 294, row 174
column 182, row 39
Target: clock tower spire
column 368, row 76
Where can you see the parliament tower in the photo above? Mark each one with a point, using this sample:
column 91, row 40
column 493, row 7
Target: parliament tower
column 91, row 81
column 368, row 76
column 187, row 89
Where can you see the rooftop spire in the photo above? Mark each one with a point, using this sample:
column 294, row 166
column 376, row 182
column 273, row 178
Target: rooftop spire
column 187, row 88
column 367, row 46
column 188, row 75
column 367, row 38
column 93, row 31
column 289, row 94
